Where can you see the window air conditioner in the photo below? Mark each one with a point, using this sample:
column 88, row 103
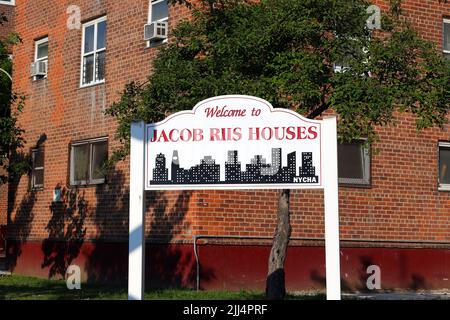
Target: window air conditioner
column 39, row 68
column 156, row 30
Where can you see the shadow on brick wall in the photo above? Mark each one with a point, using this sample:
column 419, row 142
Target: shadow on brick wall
column 66, row 231
column 170, row 266
column 167, row 265
column 107, row 262
column 358, row 277
column 19, row 227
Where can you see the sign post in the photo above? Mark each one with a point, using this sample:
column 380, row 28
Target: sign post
column 228, row 143
column 331, row 206
column 136, row 244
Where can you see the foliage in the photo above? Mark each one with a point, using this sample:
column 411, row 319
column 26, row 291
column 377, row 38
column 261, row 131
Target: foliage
column 11, row 138
column 284, row 51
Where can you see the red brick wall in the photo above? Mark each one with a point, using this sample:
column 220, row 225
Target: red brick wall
column 60, row 111
column 3, row 201
column 402, row 203
column 8, row 26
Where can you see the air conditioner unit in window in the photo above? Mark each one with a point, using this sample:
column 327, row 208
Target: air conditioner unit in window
column 39, row 68
column 156, row 30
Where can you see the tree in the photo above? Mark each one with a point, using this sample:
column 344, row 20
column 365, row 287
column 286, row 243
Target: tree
column 285, row 51
column 12, row 163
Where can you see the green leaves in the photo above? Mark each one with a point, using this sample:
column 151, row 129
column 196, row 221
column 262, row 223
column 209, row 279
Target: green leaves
column 284, row 51
column 11, row 141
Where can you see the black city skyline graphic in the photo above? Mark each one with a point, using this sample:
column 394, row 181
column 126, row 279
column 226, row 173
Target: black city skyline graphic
column 256, row 172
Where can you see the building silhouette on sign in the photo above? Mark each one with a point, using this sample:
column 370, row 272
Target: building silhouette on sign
column 233, row 168
column 206, row 172
column 160, row 172
column 257, row 171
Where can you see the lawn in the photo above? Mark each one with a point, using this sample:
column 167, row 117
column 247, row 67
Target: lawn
column 27, row 288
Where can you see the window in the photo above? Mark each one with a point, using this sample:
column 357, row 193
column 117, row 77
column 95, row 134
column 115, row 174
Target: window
column 341, row 66
column 37, row 168
column 9, row 2
column 87, row 158
column 41, row 55
column 446, row 38
column 351, row 48
column 354, row 163
column 159, row 11
column 444, row 166
column 93, row 52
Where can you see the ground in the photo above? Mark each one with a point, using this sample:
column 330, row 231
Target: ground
column 27, row 288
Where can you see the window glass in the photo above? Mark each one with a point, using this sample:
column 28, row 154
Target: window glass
column 353, row 163
column 38, row 158
column 42, row 50
column 444, row 165
column 446, row 44
column 89, row 39
column 100, row 66
column 88, row 69
column 81, row 162
column 99, row 156
column 101, row 35
column 38, row 178
column 39, row 68
column 350, row 160
column 87, row 161
column 94, row 52
column 160, row 10
column 37, row 166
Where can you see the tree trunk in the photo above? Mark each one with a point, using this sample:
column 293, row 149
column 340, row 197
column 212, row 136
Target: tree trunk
column 275, row 284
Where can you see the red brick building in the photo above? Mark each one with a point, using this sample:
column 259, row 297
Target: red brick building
column 394, row 204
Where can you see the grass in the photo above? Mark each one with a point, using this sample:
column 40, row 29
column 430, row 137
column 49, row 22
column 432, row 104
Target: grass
column 27, row 288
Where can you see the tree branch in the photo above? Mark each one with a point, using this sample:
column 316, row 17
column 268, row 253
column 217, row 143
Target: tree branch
column 318, row 111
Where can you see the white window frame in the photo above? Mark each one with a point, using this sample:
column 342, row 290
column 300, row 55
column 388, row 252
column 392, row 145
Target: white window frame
column 442, row 186
column 33, row 185
column 444, row 22
column 37, row 43
column 366, row 158
column 90, row 142
column 94, row 22
column 340, row 68
column 8, row 3
column 151, row 44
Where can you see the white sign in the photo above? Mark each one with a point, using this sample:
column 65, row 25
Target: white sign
column 234, row 142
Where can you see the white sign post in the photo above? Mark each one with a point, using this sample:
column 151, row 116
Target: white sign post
column 136, row 244
column 233, row 142
column 331, row 208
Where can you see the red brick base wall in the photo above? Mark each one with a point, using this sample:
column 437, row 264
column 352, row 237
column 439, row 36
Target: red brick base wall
column 234, row 267
column 3, row 204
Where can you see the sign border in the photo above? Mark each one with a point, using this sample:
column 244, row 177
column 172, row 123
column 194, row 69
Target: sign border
column 256, row 186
